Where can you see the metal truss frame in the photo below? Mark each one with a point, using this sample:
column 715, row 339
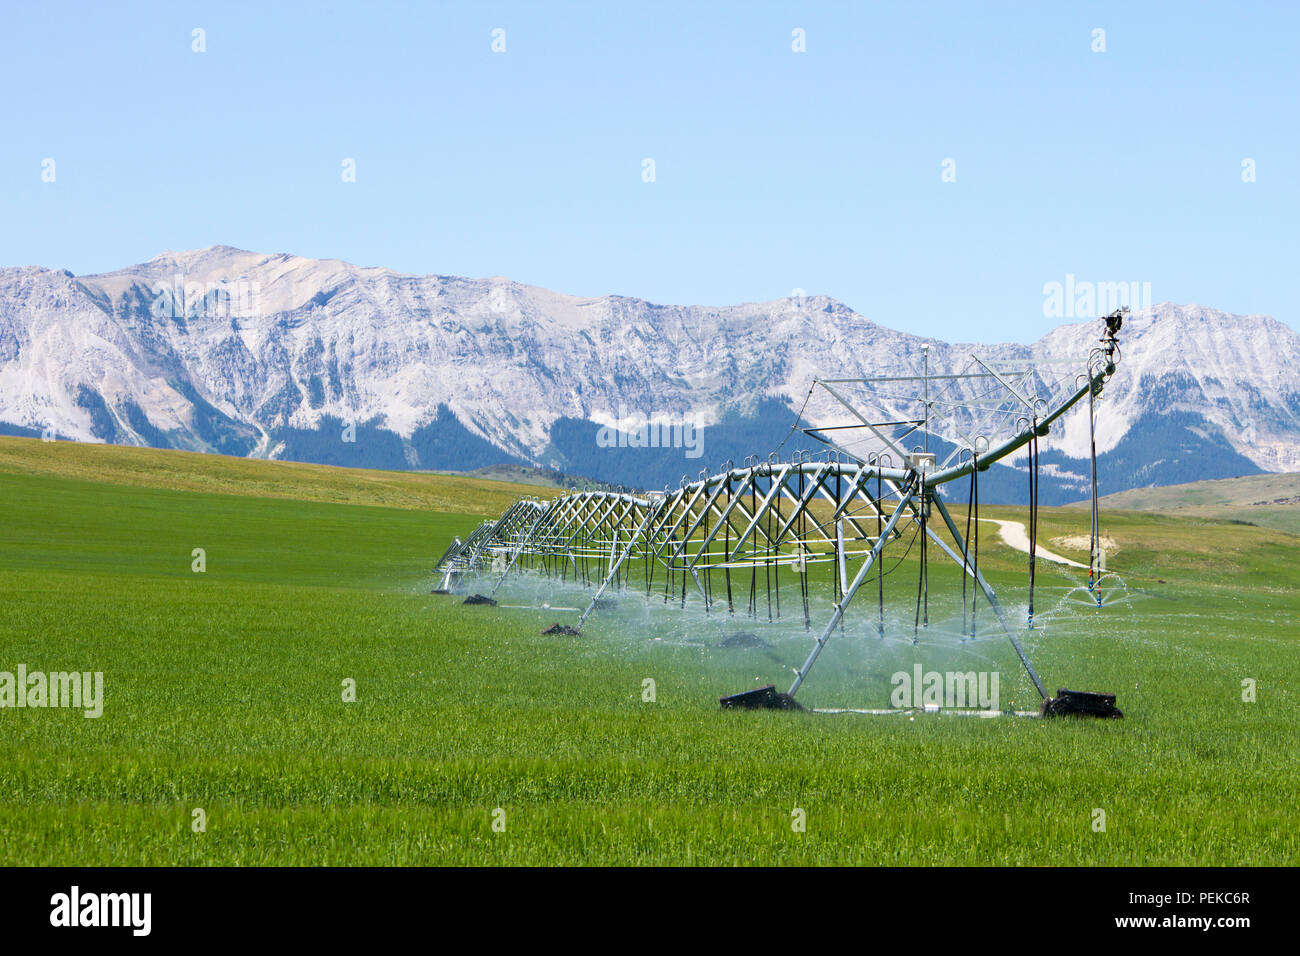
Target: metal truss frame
column 769, row 513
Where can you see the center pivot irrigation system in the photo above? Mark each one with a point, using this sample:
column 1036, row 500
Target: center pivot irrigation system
column 725, row 537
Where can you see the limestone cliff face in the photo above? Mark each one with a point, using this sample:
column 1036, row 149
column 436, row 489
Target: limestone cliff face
column 219, row 349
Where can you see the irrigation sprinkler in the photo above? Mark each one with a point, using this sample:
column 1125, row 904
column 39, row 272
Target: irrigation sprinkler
column 877, row 485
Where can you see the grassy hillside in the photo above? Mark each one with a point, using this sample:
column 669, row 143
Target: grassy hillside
column 223, row 692
column 1271, row 501
column 516, row 473
column 192, row 471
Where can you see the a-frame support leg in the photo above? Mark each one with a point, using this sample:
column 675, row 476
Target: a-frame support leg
column 615, row 565
column 520, row 549
column 992, row 599
column 861, row 576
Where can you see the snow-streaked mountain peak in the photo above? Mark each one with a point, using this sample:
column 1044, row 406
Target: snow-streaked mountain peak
column 274, row 341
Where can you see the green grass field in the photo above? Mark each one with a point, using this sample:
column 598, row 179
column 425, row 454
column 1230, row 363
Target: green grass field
column 223, row 691
column 1270, row 501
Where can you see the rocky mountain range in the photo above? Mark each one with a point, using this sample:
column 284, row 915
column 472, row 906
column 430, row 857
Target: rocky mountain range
column 242, row 353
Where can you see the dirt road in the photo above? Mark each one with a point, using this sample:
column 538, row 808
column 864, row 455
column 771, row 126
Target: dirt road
column 1015, row 536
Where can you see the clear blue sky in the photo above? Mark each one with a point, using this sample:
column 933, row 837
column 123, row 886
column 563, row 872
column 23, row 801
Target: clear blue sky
column 774, row 170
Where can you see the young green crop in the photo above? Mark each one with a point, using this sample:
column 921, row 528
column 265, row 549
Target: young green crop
column 224, row 691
